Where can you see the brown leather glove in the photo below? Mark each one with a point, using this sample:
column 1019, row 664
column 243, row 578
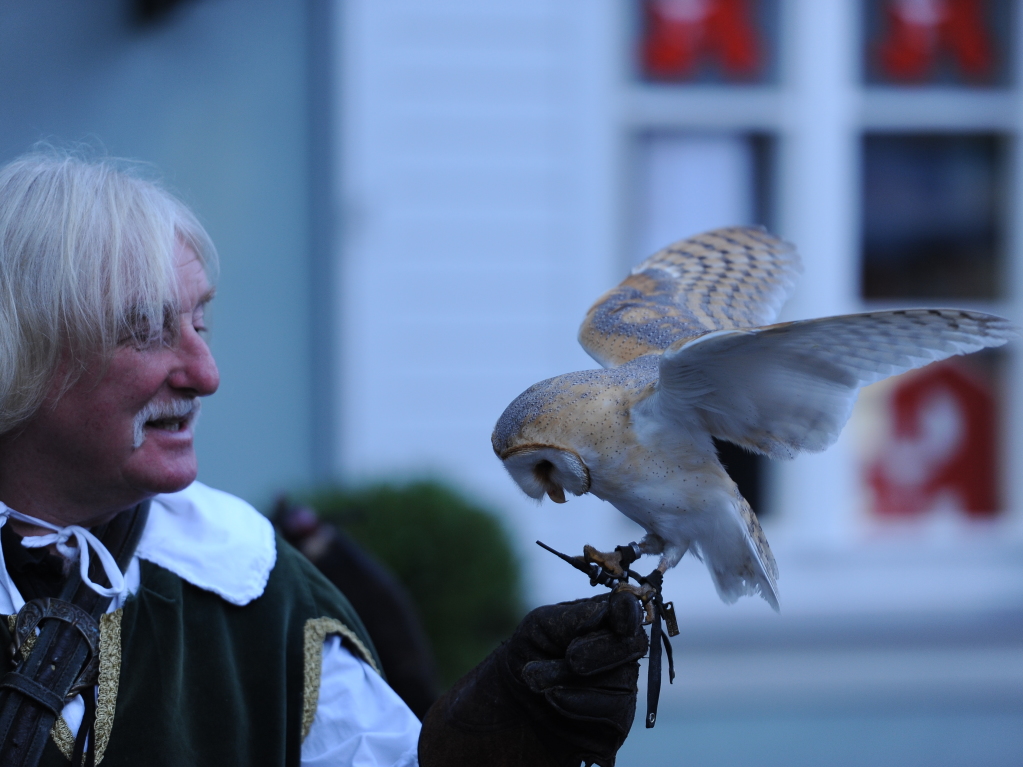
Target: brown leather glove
column 561, row 691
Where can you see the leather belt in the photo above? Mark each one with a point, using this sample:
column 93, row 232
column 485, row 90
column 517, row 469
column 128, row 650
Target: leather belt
column 64, row 659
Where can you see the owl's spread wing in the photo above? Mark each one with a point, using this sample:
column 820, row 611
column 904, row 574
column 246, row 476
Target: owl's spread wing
column 727, row 278
column 790, row 388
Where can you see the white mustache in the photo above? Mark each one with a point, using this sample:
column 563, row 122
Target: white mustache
column 156, row 411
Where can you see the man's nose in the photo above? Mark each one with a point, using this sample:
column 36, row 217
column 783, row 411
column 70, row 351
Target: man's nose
column 197, row 370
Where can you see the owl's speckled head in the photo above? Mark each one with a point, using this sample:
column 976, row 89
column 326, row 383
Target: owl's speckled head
column 544, row 434
column 537, row 456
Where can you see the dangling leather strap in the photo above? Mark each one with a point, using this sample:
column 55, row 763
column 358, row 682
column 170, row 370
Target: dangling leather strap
column 81, row 757
column 65, row 658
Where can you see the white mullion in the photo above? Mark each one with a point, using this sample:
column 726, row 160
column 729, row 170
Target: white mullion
column 818, row 209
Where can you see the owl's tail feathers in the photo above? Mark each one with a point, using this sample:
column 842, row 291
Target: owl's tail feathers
column 747, row 580
column 750, row 568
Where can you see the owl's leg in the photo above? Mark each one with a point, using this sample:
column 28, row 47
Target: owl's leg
column 613, row 562
column 652, row 544
column 672, row 555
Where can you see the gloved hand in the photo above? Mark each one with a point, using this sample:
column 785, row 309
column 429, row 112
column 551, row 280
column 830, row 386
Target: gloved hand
column 561, row 691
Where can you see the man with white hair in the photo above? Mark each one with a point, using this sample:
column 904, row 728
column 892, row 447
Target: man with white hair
column 154, row 620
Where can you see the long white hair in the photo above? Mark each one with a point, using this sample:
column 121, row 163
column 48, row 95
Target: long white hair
column 86, row 262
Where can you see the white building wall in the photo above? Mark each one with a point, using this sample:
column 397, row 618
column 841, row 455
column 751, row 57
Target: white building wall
column 480, row 224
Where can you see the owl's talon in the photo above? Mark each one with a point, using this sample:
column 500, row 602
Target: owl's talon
column 609, row 560
column 645, row 594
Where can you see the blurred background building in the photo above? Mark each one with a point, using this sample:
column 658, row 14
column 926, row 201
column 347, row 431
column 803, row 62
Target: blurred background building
column 416, row 202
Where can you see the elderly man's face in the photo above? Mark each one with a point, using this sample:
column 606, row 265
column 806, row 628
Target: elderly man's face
column 104, row 452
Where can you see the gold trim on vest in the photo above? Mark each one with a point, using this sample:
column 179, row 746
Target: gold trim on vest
column 315, row 633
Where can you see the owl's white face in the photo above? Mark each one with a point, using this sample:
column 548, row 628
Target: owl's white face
column 544, row 469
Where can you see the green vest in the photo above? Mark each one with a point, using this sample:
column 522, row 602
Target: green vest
column 193, row 680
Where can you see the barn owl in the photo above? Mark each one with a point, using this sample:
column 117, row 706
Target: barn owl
column 688, row 355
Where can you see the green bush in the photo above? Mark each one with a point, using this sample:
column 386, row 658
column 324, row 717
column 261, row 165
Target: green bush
column 454, row 558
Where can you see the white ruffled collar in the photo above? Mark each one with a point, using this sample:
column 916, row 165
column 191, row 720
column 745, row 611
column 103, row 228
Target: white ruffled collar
column 207, row 537
column 211, row 539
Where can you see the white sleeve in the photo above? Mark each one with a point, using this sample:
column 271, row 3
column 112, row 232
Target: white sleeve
column 360, row 721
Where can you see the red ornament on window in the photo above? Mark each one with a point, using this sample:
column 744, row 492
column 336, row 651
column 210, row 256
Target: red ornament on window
column 920, row 31
column 942, row 451
column 682, row 34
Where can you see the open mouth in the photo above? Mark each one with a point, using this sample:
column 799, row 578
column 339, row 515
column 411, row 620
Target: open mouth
column 168, row 424
column 168, row 417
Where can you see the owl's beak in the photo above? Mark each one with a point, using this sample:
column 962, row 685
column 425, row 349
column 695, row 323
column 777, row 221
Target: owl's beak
column 542, row 471
column 556, row 494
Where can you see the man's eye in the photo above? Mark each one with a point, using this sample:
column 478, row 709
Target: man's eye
column 136, row 334
column 199, row 321
column 171, row 329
